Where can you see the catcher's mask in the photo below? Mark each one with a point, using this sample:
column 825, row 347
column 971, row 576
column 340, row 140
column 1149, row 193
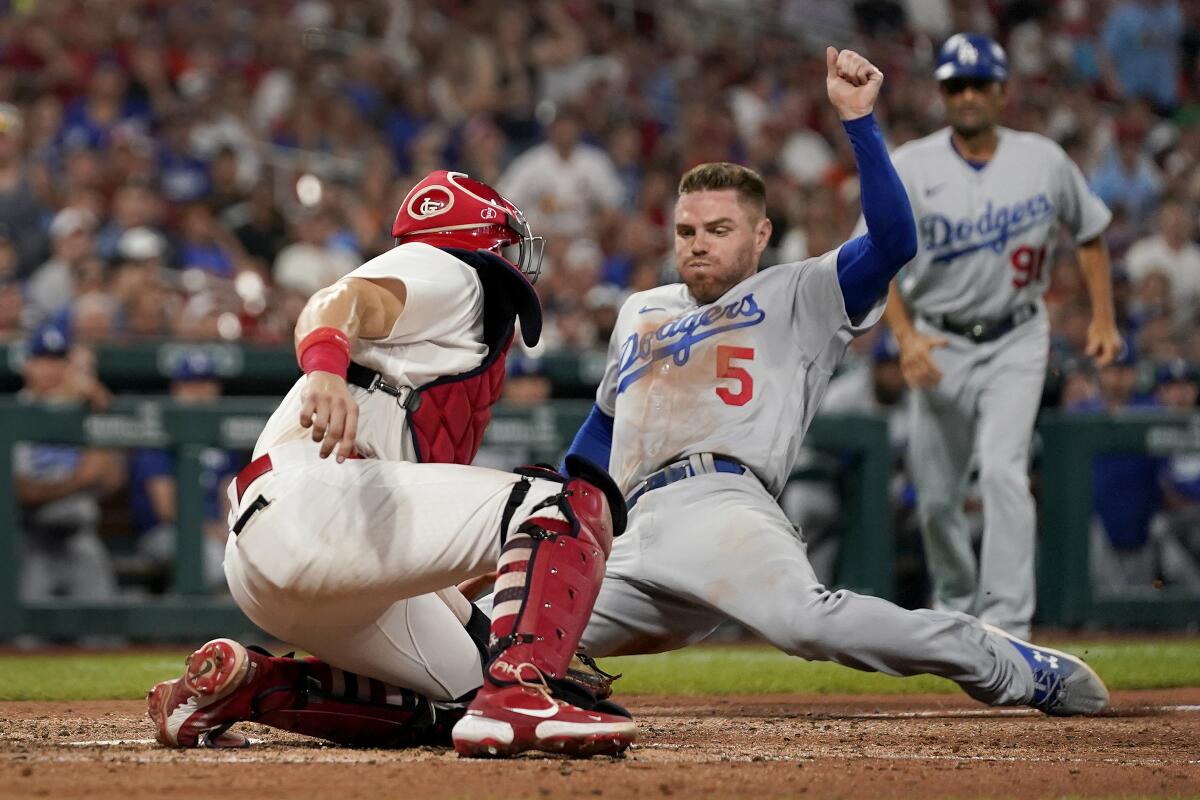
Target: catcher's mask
column 451, row 209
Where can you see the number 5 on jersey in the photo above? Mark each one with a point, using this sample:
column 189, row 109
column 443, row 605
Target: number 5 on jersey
column 726, row 354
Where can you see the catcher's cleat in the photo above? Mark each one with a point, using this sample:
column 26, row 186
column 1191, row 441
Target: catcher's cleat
column 506, row 720
column 195, row 710
column 1063, row 684
column 224, row 683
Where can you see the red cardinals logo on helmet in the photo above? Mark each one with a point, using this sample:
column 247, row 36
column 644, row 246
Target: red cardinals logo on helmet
column 434, row 200
column 451, row 209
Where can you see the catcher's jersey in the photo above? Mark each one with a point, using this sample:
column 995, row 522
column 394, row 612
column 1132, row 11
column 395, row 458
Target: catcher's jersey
column 987, row 235
column 741, row 376
column 440, row 332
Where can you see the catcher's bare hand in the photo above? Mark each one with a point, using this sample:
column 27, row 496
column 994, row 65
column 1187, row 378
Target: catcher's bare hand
column 1103, row 342
column 853, row 83
column 327, row 407
column 916, row 359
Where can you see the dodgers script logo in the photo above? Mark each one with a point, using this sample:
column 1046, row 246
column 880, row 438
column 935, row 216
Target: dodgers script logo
column 675, row 339
column 993, row 228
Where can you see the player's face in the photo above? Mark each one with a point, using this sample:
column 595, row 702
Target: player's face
column 973, row 106
column 718, row 241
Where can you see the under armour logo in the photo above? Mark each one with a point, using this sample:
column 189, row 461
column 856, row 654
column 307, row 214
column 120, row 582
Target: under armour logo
column 431, row 206
column 488, row 213
column 1039, row 657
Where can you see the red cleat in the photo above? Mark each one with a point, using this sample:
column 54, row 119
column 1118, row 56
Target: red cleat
column 194, row 710
column 506, row 720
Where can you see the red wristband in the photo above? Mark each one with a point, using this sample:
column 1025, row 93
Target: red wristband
column 324, row 349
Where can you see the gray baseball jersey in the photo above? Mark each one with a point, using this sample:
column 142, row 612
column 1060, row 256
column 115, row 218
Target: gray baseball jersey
column 741, row 377
column 986, row 239
column 986, row 236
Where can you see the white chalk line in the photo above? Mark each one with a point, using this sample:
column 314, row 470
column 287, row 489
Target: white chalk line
column 120, row 742
column 335, row 755
column 953, row 712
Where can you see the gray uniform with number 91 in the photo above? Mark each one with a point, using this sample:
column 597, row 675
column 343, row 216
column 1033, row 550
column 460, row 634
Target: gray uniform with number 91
column 986, row 241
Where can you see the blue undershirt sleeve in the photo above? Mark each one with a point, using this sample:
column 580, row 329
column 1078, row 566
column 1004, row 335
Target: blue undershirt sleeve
column 593, row 441
column 868, row 263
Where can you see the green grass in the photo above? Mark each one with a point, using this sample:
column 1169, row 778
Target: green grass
column 85, row 676
column 755, row 669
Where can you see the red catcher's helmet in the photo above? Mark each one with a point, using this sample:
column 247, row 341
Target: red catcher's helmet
column 451, row 209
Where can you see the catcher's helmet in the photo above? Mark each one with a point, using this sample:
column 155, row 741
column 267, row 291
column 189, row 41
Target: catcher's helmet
column 451, row 209
column 971, row 55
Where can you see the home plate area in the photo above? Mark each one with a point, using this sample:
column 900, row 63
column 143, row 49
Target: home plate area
column 727, row 746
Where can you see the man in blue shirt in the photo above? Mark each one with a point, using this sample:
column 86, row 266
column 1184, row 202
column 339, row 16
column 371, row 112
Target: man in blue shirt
column 153, row 480
column 58, row 486
column 1142, row 40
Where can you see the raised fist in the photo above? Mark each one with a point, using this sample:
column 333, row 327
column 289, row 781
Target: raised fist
column 852, row 82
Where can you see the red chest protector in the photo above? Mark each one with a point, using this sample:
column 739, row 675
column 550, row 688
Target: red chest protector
column 447, row 416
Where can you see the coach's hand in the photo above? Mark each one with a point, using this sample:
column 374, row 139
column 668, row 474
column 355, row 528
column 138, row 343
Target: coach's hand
column 1103, row 342
column 852, row 82
column 916, row 359
column 327, row 407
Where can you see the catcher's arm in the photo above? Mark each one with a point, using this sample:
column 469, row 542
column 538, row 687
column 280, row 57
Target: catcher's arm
column 350, row 309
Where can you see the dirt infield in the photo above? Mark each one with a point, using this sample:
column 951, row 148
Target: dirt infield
column 760, row 747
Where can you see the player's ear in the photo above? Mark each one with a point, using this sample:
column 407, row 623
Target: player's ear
column 762, row 233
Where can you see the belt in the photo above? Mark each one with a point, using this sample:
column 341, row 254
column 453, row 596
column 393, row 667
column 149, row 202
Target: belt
column 981, row 331
column 249, row 474
column 699, row 464
column 407, row 397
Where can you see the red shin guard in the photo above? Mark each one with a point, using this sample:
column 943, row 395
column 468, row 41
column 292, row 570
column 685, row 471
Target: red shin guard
column 315, row 699
column 349, row 709
column 549, row 576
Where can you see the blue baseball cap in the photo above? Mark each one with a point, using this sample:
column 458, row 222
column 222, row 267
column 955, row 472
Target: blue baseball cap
column 195, row 365
column 1177, row 369
column 971, row 55
column 49, row 340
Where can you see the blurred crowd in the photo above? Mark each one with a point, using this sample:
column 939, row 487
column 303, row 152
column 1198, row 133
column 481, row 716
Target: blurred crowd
column 195, row 171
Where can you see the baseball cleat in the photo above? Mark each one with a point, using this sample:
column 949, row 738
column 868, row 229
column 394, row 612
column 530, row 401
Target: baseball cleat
column 506, row 720
column 196, row 709
column 1063, row 685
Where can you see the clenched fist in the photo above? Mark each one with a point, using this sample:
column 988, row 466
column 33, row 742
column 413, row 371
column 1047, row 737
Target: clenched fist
column 853, row 83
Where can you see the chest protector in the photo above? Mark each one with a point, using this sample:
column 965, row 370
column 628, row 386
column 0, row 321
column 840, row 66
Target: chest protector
column 447, row 416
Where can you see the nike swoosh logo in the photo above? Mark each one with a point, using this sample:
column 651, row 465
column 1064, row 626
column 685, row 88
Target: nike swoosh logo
column 540, row 713
column 650, row 308
column 594, row 717
column 932, row 190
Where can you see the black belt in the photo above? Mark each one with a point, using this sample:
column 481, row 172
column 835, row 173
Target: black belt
column 683, row 469
column 981, row 331
column 366, row 378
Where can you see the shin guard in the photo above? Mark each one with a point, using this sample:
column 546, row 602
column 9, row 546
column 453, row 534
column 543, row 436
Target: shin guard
column 348, row 709
column 548, row 578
